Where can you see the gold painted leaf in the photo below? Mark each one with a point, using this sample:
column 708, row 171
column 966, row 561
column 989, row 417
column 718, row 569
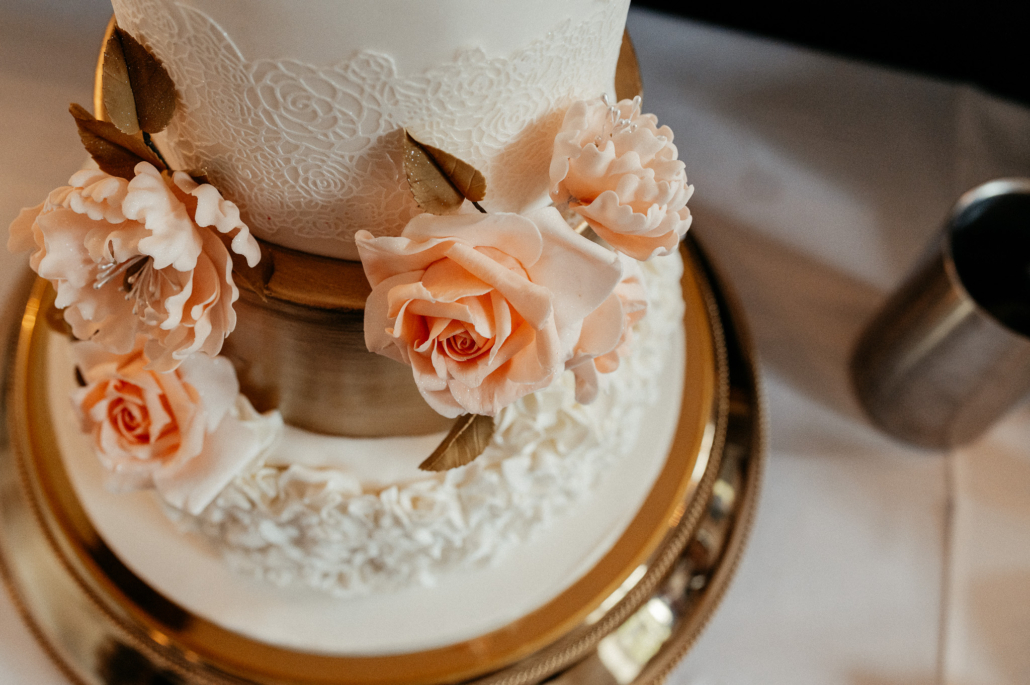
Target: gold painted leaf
column 628, row 83
column 440, row 181
column 119, row 102
column 199, row 177
column 466, row 441
column 138, row 92
column 465, row 178
column 115, row 152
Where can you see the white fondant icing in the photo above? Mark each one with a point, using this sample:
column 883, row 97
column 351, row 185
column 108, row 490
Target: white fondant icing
column 296, row 116
column 595, row 485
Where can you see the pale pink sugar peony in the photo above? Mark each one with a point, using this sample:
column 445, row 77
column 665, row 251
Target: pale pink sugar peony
column 597, row 354
column 485, row 308
column 620, row 172
column 139, row 257
column 187, row 433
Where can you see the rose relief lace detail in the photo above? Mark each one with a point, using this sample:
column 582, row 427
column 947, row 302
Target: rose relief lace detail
column 311, row 154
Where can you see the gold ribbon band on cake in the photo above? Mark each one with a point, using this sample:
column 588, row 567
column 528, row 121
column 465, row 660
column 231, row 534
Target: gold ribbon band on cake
column 299, row 346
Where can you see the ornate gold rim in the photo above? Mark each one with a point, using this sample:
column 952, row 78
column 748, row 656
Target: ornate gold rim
column 741, row 470
column 205, row 646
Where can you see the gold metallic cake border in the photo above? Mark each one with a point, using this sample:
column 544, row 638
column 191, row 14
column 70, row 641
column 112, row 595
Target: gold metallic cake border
column 740, row 475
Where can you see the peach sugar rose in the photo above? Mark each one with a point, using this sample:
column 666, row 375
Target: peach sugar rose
column 620, row 172
column 486, row 308
column 187, row 433
column 138, row 257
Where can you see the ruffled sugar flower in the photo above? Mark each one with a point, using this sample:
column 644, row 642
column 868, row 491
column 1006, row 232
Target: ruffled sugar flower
column 187, row 433
column 139, row 257
column 595, row 352
column 485, row 308
column 620, row 172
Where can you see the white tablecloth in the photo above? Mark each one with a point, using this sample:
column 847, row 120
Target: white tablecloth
column 818, row 180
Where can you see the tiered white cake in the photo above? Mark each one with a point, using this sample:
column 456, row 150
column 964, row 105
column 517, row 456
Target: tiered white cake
column 296, row 113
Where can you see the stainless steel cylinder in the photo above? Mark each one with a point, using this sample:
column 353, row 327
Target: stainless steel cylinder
column 949, row 353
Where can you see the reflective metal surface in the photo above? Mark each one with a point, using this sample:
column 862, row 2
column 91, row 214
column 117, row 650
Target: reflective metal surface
column 936, row 367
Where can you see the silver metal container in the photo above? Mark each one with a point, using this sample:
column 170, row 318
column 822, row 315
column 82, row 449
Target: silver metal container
column 949, row 353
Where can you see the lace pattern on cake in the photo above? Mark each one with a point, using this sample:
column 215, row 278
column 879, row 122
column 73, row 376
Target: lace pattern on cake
column 318, row 528
column 311, row 154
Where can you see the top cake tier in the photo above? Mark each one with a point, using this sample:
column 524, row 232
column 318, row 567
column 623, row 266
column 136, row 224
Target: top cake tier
column 295, row 110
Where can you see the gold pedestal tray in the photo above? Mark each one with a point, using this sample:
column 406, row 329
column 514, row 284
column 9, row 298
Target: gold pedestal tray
column 628, row 620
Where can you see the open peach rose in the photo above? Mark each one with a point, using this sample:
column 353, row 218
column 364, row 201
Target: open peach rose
column 137, row 257
column 620, row 172
column 485, row 307
column 597, row 352
column 187, row 433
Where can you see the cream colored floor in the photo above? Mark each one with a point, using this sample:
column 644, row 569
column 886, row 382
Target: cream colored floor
column 818, row 182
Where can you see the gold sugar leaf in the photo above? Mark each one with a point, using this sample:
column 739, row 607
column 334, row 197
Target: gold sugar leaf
column 115, row 152
column 465, row 178
column 628, row 84
column 139, row 95
column 251, row 280
column 119, row 102
column 440, row 181
column 199, row 176
column 466, row 441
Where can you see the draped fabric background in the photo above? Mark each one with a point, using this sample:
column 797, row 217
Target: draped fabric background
column 819, row 181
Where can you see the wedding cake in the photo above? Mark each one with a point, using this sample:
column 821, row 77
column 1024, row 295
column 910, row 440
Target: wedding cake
column 364, row 298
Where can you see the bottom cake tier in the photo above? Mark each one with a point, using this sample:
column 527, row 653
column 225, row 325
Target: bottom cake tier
column 495, row 540
column 581, row 516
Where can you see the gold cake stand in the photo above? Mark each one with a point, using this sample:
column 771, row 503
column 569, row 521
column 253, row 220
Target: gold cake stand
column 629, row 619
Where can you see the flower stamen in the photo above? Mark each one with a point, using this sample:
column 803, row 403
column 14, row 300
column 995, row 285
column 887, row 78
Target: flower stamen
column 143, row 288
column 112, row 270
column 615, row 123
